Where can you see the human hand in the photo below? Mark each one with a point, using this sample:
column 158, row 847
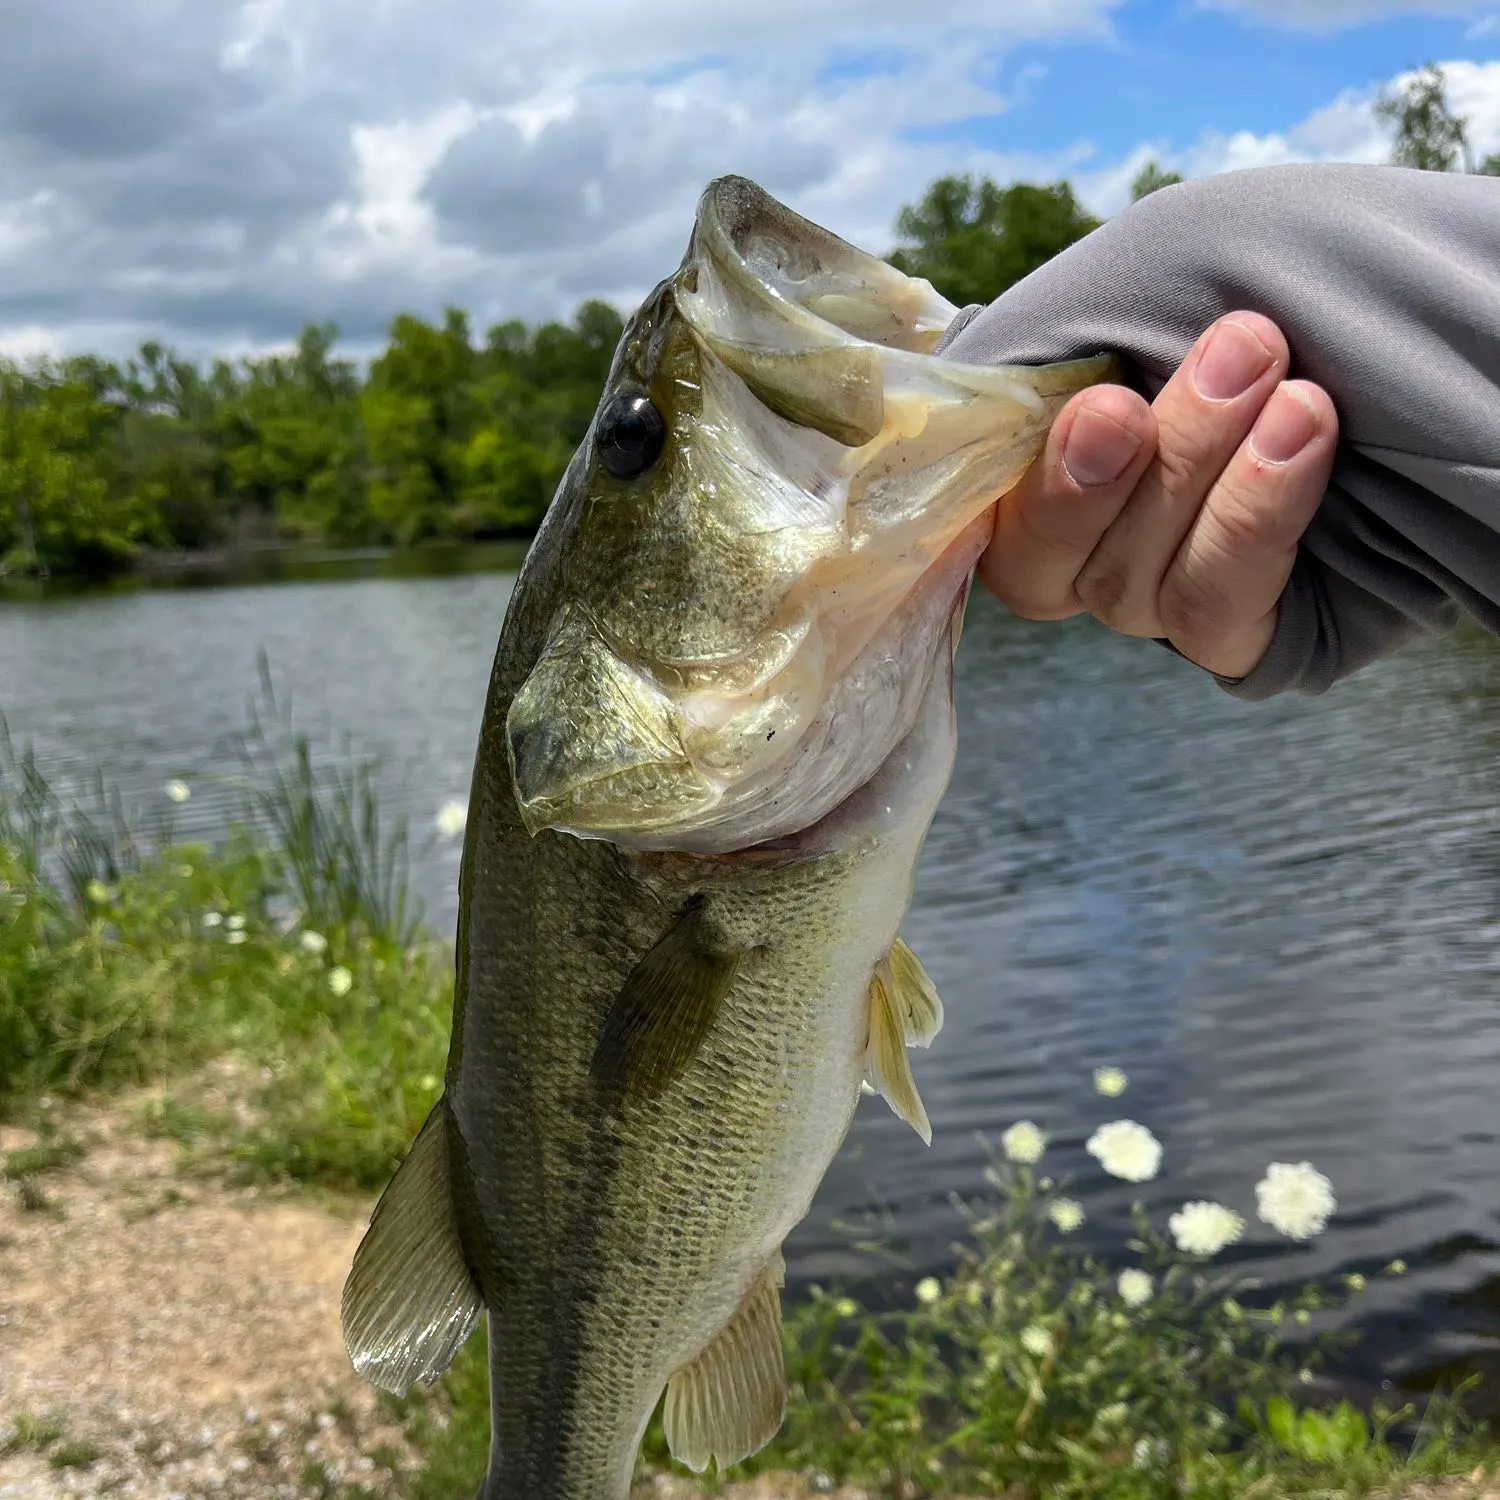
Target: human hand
column 1193, row 539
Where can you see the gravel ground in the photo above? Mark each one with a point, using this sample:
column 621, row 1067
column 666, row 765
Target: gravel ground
column 185, row 1332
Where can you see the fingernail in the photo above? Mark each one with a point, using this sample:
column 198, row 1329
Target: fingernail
column 1286, row 425
column 1233, row 361
column 1098, row 449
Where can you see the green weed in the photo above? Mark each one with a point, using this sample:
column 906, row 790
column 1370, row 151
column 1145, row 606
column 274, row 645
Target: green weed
column 25, row 1431
column 45, row 1156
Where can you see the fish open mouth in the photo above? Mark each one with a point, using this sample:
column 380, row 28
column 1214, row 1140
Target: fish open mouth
column 823, row 414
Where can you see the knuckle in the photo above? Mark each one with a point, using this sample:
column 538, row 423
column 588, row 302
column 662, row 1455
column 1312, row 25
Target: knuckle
column 1241, row 527
column 1180, row 457
column 1022, row 594
column 1191, row 605
column 1104, row 590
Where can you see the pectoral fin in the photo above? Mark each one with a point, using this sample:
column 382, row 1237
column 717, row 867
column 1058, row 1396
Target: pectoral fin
column 410, row 1302
column 918, row 1007
column 729, row 1402
column 904, row 1012
column 664, row 1009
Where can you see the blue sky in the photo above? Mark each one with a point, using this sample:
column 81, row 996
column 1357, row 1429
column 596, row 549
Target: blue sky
column 216, row 173
column 1174, row 71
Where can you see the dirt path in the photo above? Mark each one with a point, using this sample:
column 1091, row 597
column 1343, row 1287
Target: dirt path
column 175, row 1339
column 185, row 1332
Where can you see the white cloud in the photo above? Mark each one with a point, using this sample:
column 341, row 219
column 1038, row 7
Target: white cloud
column 1344, row 130
column 1327, row 15
column 218, row 172
column 387, row 223
column 262, row 23
column 28, row 341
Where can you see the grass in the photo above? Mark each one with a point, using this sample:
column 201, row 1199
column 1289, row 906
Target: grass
column 1193, row 1396
column 25, row 1431
column 77, row 1453
column 294, row 949
column 48, row 1155
column 126, row 960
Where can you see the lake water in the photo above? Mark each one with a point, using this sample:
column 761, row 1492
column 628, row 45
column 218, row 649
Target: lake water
column 1283, row 920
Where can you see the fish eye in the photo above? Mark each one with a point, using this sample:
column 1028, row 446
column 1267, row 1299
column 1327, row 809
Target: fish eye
column 630, row 434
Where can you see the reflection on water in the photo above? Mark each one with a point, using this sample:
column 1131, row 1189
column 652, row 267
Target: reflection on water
column 1282, row 920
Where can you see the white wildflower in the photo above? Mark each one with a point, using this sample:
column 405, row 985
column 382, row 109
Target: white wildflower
column 235, row 922
column 212, row 919
column 1036, row 1340
column 1024, row 1142
column 179, row 791
column 99, row 893
column 1295, row 1199
column 1126, row 1150
column 313, row 942
column 1149, row 1452
column 340, row 980
column 1135, row 1287
column 1110, row 1082
column 1066, row 1214
column 1205, row 1228
column 236, row 935
column 1396, row 1268
column 929, row 1289
column 1305, row 1376
column 1112, row 1415
column 846, row 1307
column 1354, row 1281
column 452, row 818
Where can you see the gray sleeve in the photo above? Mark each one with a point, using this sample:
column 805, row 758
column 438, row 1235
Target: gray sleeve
column 1386, row 283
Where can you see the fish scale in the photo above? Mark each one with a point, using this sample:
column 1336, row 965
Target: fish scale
column 718, row 726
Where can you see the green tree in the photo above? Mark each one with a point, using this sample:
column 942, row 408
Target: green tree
column 1429, row 135
column 1150, row 179
column 417, row 411
column 293, row 441
column 440, row 438
column 57, row 510
column 973, row 239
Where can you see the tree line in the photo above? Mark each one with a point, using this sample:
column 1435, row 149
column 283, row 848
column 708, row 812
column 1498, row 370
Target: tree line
column 445, row 434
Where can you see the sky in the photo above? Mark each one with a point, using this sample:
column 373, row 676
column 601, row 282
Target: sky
column 215, row 174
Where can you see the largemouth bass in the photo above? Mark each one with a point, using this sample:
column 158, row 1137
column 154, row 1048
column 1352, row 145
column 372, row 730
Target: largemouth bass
column 719, row 723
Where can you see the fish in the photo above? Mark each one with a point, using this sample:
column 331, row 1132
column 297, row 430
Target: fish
column 719, row 722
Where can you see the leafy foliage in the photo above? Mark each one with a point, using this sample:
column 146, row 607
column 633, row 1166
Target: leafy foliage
column 444, row 437
column 1150, row 179
column 1429, row 135
column 972, row 239
column 447, row 435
